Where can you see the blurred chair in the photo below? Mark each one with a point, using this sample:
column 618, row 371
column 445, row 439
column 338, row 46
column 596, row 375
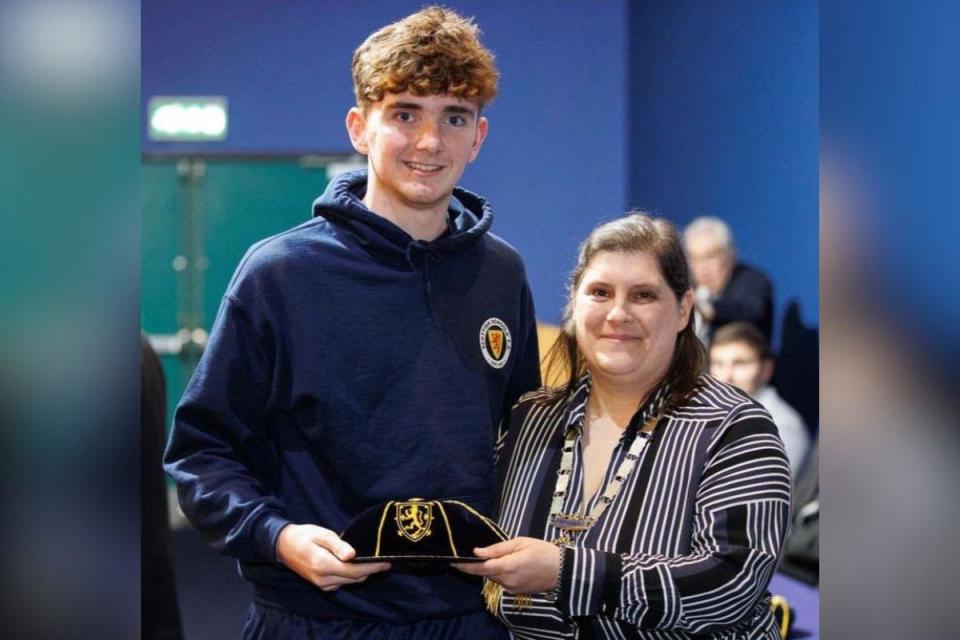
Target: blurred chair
column 797, row 375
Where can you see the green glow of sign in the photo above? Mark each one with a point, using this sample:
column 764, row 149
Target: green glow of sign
column 187, row 119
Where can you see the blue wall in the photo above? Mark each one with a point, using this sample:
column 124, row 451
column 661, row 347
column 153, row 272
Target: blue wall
column 724, row 122
column 722, row 111
column 555, row 158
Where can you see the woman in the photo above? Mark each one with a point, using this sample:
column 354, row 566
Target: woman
column 647, row 500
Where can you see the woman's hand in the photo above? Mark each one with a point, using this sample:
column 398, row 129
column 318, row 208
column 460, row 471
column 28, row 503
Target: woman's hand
column 521, row 565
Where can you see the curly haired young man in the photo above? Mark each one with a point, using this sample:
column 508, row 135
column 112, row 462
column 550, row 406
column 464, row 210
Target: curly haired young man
column 366, row 355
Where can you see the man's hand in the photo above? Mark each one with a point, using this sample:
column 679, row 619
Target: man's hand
column 521, row 565
column 320, row 556
column 703, row 301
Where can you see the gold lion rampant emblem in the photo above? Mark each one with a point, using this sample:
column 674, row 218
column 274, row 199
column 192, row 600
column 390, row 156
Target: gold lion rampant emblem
column 496, row 342
column 414, row 519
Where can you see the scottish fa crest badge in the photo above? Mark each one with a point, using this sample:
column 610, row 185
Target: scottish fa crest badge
column 495, row 342
column 414, row 519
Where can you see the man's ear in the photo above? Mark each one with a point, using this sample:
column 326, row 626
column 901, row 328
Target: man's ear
column 483, row 127
column 356, row 128
column 766, row 372
column 732, row 258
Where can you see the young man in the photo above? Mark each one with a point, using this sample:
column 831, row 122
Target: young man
column 364, row 356
column 740, row 355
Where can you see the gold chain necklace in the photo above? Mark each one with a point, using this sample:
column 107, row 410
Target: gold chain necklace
column 570, row 522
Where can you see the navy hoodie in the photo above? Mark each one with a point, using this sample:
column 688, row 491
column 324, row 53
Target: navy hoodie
column 350, row 364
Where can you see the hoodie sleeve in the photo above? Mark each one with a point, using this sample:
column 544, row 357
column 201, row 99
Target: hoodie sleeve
column 526, row 372
column 217, row 445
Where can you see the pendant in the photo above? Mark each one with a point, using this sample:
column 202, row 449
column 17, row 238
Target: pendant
column 571, row 522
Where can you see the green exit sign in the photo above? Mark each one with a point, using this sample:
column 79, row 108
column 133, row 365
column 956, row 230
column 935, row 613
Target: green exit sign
column 187, row 119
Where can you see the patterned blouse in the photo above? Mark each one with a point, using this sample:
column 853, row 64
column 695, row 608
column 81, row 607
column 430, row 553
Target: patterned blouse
column 689, row 544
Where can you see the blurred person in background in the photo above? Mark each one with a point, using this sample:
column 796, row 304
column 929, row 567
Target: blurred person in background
column 647, row 499
column 726, row 290
column 159, row 611
column 890, row 437
column 364, row 356
column 741, row 356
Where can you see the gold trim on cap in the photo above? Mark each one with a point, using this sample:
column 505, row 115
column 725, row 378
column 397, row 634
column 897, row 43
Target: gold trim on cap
column 383, row 518
column 443, row 512
column 490, row 523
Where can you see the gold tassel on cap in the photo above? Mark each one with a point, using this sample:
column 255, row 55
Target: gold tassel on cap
column 492, row 595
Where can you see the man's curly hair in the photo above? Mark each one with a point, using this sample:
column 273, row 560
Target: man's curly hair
column 434, row 51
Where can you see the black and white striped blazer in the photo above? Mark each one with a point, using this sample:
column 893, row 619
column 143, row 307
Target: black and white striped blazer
column 688, row 546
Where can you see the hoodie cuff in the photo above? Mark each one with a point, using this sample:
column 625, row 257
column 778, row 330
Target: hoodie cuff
column 590, row 582
column 267, row 534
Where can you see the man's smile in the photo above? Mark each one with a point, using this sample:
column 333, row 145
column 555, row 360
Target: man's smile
column 422, row 168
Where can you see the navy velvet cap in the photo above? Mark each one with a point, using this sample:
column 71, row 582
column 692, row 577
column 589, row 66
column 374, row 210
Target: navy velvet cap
column 421, row 531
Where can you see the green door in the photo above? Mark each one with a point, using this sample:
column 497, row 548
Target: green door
column 200, row 215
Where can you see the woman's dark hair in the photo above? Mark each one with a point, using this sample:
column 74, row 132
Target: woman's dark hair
column 635, row 232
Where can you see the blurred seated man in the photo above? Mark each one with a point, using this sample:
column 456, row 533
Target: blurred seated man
column 740, row 355
column 727, row 290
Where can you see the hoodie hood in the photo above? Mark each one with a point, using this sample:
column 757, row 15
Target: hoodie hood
column 469, row 218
